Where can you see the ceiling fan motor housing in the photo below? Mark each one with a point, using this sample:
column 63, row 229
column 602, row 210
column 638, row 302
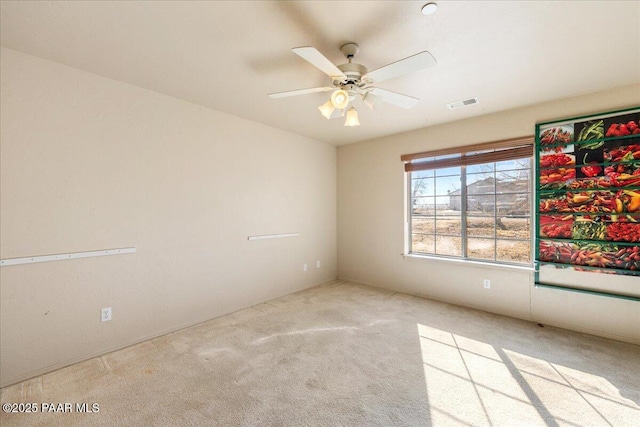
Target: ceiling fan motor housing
column 353, row 74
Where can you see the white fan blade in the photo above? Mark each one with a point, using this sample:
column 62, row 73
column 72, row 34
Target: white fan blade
column 318, row 60
column 300, row 92
column 404, row 66
column 404, row 101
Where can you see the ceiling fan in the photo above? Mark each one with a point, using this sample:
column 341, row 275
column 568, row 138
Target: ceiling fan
column 351, row 80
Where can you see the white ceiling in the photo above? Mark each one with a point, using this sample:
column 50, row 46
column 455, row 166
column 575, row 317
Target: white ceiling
column 228, row 55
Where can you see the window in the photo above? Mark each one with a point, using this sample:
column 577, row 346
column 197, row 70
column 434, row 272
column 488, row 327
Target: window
column 472, row 204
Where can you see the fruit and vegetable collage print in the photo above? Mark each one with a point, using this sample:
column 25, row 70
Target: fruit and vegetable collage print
column 589, row 193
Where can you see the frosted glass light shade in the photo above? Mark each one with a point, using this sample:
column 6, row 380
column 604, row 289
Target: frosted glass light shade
column 327, row 109
column 370, row 100
column 352, row 118
column 340, row 99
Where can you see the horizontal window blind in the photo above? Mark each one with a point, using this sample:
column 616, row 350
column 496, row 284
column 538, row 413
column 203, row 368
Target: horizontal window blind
column 496, row 151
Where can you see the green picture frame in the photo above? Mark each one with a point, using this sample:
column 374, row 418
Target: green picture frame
column 587, row 180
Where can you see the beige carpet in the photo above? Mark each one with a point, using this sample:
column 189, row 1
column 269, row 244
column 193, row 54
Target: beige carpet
column 349, row 355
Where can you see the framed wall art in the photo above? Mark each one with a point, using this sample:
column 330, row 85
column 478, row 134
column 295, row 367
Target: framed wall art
column 588, row 193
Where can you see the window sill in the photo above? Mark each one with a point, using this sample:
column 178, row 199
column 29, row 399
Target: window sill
column 473, row 263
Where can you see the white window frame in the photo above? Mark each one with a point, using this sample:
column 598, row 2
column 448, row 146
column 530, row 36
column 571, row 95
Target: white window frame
column 464, row 257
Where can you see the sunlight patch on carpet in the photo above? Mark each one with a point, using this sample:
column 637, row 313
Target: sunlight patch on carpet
column 468, row 380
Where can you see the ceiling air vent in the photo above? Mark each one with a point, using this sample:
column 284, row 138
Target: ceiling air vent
column 463, row 103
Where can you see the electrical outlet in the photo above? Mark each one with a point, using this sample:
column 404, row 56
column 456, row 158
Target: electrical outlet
column 317, row 264
column 105, row 314
column 304, row 267
column 487, row 284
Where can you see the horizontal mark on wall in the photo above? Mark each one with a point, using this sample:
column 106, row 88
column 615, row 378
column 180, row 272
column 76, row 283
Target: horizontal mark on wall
column 61, row 257
column 273, row 236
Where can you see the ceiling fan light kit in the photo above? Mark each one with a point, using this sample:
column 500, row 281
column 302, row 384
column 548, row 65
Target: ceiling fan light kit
column 352, row 80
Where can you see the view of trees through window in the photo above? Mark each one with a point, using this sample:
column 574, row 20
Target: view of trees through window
column 478, row 212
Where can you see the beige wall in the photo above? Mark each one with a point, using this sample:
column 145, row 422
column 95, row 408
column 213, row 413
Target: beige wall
column 89, row 163
column 371, row 221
